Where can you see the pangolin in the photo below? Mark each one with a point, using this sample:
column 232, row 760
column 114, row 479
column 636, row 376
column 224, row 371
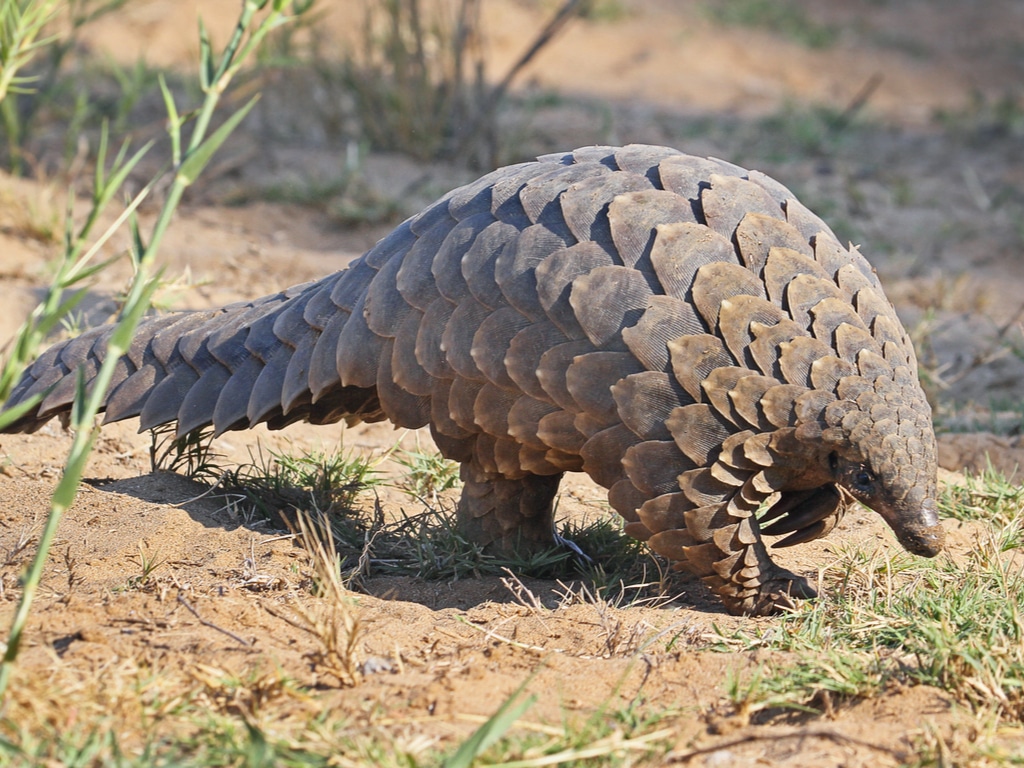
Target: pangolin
column 682, row 330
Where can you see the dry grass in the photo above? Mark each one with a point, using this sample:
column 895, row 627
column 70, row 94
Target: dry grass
column 332, row 621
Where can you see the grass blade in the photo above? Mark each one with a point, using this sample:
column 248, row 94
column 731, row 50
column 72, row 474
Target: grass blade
column 197, row 160
column 496, row 726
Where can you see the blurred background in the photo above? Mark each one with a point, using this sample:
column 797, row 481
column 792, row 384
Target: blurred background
column 900, row 122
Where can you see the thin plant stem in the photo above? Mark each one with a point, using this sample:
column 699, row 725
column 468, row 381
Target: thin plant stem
column 89, row 399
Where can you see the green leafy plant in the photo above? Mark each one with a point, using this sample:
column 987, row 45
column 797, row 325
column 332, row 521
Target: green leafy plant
column 318, row 482
column 34, row 57
column 21, row 38
column 988, row 495
column 189, row 158
column 427, row 473
column 513, row 708
column 147, row 563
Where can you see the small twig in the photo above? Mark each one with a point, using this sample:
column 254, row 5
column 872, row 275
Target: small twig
column 204, row 494
column 289, row 619
column 973, row 183
column 803, row 733
column 857, row 103
column 562, row 17
column 1005, row 327
column 522, row 594
column 509, row 641
column 282, row 537
column 363, row 563
column 553, row 27
column 210, row 624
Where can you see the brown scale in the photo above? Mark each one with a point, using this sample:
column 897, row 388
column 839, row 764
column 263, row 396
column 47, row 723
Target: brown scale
column 625, row 498
column 478, row 264
column 666, row 318
column 602, row 454
column 440, row 411
column 828, row 371
column 446, row 266
column 558, row 430
column 634, row 218
column 644, row 400
column 719, row 281
column 806, row 291
column 766, row 347
column 686, row 175
column 407, row 371
column 555, row 275
column 357, row 351
column 428, row 343
column 782, row 267
column 524, row 354
column 698, row 431
column 719, row 388
column 729, row 198
column 831, row 313
column 757, row 235
column 607, row 300
column 665, row 512
column 589, row 380
column 694, row 358
column 653, row 466
column 803, row 219
column 552, row 369
column 585, row 205
column 798, row 356
column 457, row 338
column 745, row 397
column 778, row 191
column 491, row 343
column 641, row 160
column 523, row 421
column 403, row 407
column 681, row 249
column 737, row 316
column 515, row 266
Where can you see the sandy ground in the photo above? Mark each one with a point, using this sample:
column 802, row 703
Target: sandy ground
column 440, row 655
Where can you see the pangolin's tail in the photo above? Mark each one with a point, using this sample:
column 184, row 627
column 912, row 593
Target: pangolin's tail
column 233, row 367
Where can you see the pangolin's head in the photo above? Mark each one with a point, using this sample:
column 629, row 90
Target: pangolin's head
column 879, row 446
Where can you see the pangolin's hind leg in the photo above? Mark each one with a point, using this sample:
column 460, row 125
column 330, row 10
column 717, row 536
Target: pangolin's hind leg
column 507, row 516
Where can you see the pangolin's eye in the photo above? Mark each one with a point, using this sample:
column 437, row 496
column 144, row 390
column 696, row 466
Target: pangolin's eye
column 863, row 480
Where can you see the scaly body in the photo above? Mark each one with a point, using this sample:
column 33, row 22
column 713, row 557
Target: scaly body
column 682, row 330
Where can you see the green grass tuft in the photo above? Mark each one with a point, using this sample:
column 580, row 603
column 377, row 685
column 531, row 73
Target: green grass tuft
column 191, row 455
column 781, row 17
column 891, row 618
column 427, row 473
column 988, row 496
column 281, row 486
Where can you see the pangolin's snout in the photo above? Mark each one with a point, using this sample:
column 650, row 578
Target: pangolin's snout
column 919, row 530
